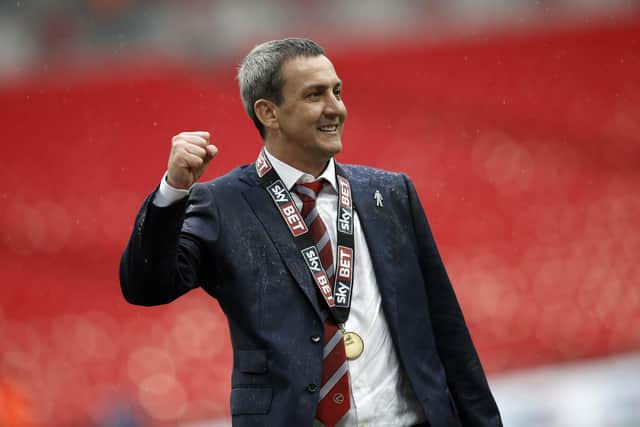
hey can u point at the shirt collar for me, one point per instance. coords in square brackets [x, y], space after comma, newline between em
[291, 176]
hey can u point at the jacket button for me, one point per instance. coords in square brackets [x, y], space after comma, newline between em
[312, 388]
[315, 338]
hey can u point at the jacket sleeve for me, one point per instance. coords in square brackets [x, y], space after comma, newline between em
[465, 376]
[163, 258]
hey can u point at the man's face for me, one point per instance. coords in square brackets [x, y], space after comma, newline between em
[311, 115]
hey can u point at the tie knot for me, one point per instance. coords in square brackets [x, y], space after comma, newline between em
[310, 189]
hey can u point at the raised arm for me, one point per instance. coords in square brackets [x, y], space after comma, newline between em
[163, 257]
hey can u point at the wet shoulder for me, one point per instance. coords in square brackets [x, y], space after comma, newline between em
[235, 180]
[372, 175]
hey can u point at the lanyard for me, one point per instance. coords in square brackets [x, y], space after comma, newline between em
[338, 297]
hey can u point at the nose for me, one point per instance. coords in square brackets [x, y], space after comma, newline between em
[335, 106]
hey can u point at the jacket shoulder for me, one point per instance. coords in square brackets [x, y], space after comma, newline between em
[235, 180]
[373, 175]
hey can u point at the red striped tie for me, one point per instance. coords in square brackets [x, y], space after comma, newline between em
[335, 400]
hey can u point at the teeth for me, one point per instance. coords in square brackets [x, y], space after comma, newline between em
[332, 128]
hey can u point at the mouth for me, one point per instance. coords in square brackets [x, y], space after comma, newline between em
[328, 128]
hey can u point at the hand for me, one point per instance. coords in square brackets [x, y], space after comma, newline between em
[190, 156]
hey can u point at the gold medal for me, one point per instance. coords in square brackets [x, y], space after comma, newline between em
[353, 345]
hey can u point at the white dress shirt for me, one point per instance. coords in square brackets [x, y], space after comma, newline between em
[381, 393]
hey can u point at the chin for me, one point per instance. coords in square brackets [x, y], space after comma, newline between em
[333, 147]
[331, 143]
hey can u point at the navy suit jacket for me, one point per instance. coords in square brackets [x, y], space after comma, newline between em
[230, 239]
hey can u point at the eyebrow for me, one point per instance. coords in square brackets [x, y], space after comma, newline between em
[322, 86]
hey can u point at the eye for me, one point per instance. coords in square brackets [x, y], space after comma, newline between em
[337, 92]
[313, 95]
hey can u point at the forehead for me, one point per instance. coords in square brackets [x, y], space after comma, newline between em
[302, 72]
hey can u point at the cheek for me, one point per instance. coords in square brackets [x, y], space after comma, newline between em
[311, 113]
[303, 119]
[308, 123]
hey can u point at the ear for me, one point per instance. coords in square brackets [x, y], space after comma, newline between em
[267, 113]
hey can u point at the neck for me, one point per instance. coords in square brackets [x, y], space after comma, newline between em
[305, 163]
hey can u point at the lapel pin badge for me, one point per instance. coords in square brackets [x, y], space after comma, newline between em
[378, 198]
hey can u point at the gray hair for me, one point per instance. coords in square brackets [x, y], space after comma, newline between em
[260, 74]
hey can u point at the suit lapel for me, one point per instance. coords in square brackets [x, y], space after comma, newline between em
[266, 212]
[374, 221]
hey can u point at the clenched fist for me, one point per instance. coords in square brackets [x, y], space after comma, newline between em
[190, 155]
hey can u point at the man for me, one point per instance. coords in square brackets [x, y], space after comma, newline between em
[339, 307]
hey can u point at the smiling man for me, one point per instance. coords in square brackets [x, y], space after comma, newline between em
[339, 307]
[305, 127]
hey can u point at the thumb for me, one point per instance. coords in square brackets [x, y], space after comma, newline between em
[212, 150]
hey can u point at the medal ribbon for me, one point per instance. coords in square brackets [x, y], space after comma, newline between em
[338, 297]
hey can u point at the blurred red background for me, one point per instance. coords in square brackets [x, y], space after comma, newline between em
[524, 148]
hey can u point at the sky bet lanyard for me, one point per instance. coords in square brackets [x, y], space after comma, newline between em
[338, 299]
